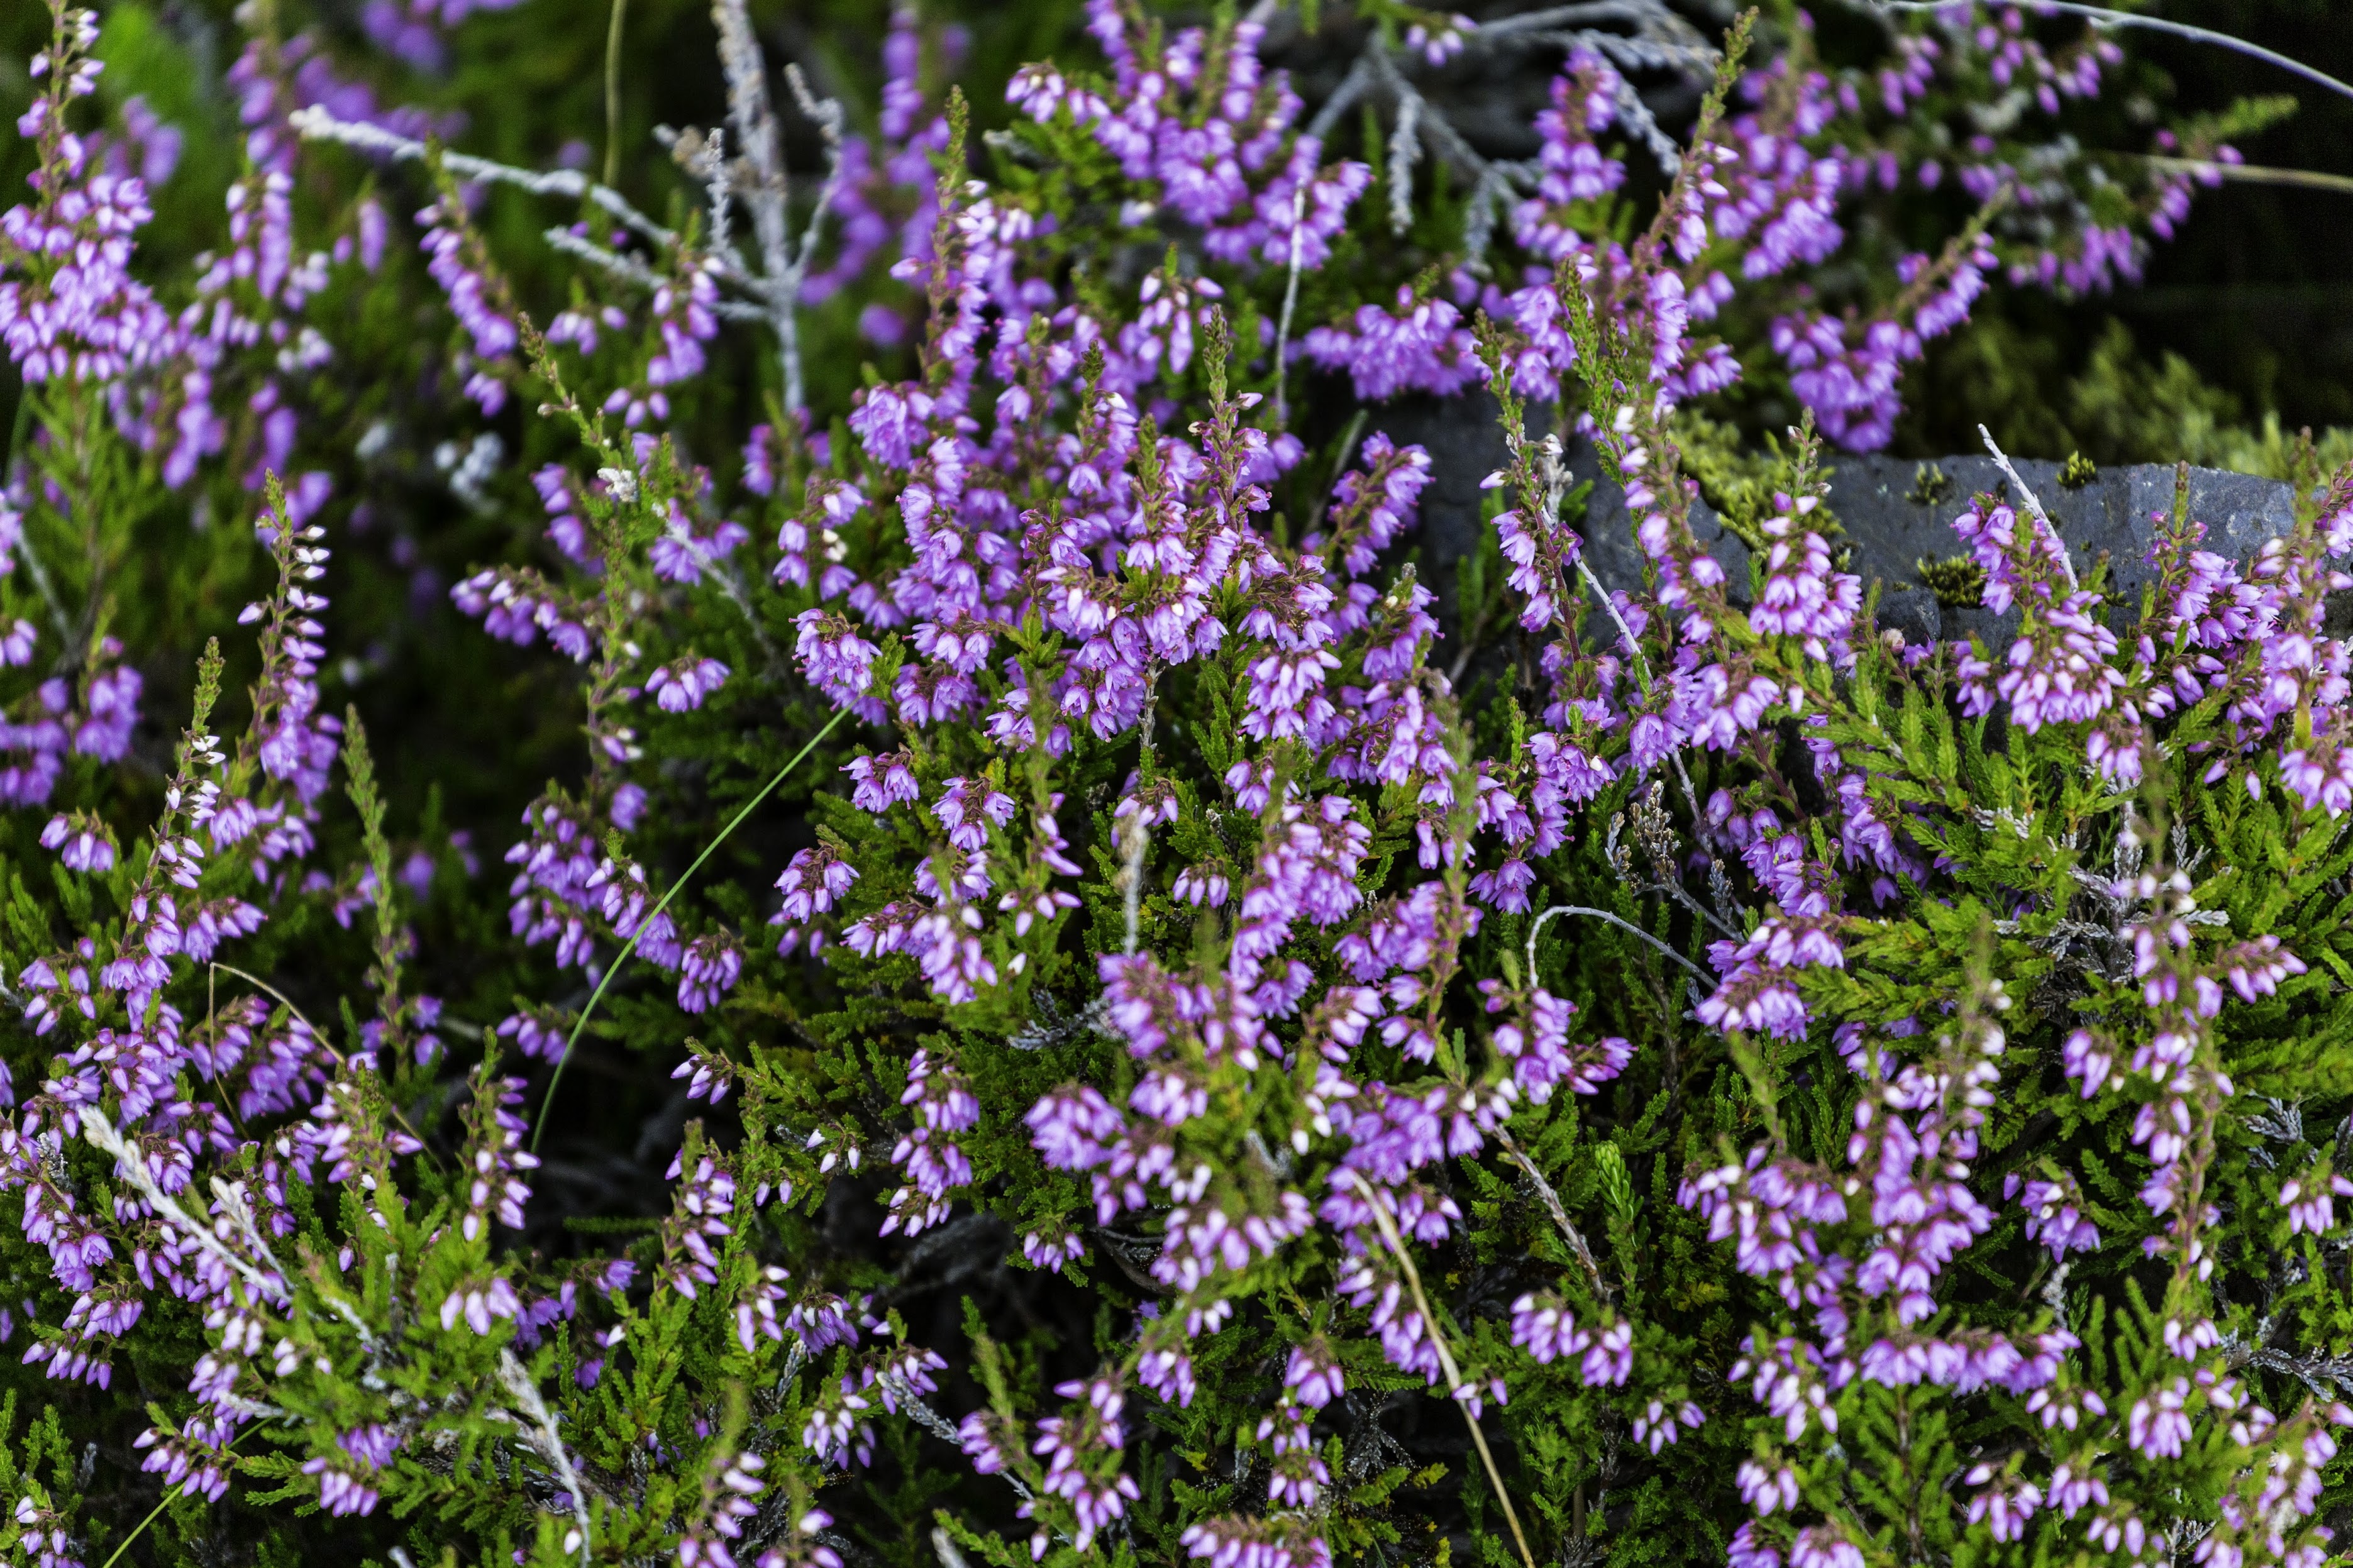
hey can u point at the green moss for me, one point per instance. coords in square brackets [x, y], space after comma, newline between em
[1957, 581]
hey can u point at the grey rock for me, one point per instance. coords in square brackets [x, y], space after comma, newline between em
[1609, 530]
[1891, 523]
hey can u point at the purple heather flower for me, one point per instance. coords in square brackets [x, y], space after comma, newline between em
[1419, 347]
[2004, 1509]
[1802, 597]
[2055, 1211]
[683, 555]
[2310, 1200]
[1281, 1540]
[83, 843]
[927, 1153]
[1823, 1546]
[480, 1302]
[707, 970]
[372, 1445]
[1657, 1426]
[1543, 1059]
[1766, 1491]
[683, 684]
[340, 1492]
[495, 1159]
[1313, 1376]
[493, 335]
[700, 1210]
[1051, 1249]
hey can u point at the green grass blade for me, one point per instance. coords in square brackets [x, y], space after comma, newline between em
[631, 945]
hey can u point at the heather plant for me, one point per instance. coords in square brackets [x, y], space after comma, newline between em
[1154, 1006]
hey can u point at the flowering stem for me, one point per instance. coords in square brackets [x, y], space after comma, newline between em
[628, 947]
[2101, 15]
[1445, 1359]
[2248, 174]
[168, 1499]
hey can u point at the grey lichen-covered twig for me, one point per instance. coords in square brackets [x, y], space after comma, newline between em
[632, 271]
[939, 1426]
[132, 1161]
[627, 269]
[2034, 504]
[758, 178]
[1404, 148]
[1629, 927]
[1498, 183]
[1135, 839]
[1660, 40]
[754, 177]
[540, 1435]
[316, 124]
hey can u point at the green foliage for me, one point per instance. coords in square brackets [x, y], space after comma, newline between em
[636, 1402]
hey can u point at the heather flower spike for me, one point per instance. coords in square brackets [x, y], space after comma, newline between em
[1146, 962]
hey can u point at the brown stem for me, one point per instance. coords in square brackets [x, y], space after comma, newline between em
[1390, 1240]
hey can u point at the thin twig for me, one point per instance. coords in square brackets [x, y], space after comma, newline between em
[325, 1044]
[1135, 838]
[630, 271]
[2251, 173]
[826, 114]
[2103, 16]
[1553, 1205]
[1352, 87]
[132, 1162]
[2033, 505]
[1290, 304]
[255, 980]
[764, 187]
[315, 124]
[1443, 137]
[551, 1448]
[1627, 926]
[939, 1426]
[32, 560]
[1635, 116]
[1492, 188]
[627, 269]
[1454, 1386]
[1404, 146]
